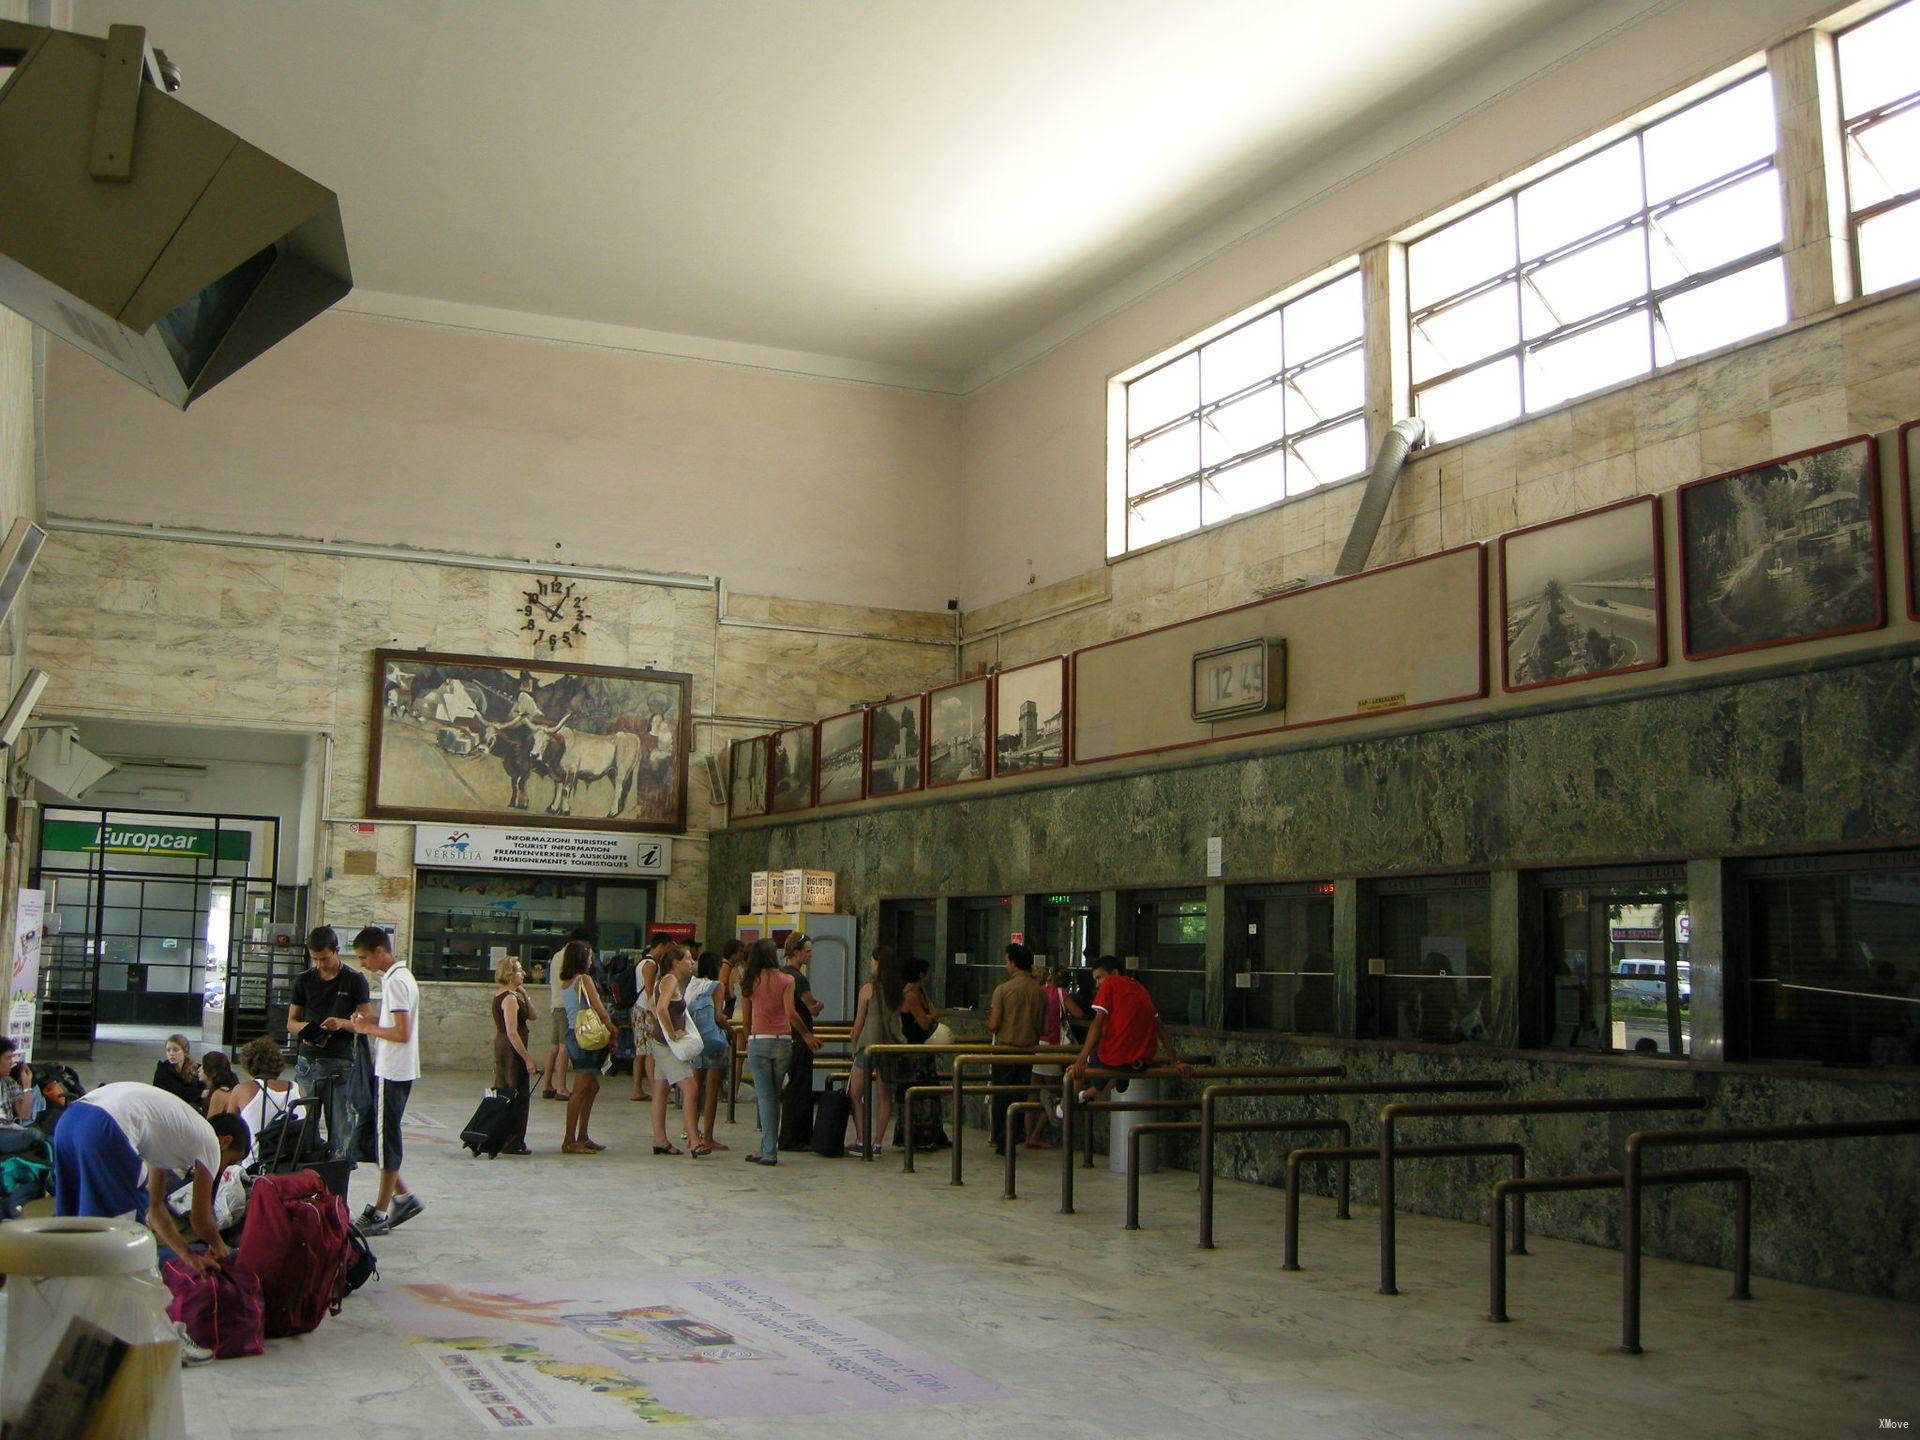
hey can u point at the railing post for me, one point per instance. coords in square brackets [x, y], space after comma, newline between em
[1630, 1250]
[1133, 1178]
[1292, 1218]
[1068, 1115]
[959, 1120]
[1208, 1097]
[1519, 1208]
[1742, 1236]
[1497, 1257]
[1387, 1286]
[1345, 1212]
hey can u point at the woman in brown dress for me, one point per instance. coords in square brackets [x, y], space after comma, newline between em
[512, 1065]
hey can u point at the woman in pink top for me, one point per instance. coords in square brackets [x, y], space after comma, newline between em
[1055, 983]
[770, 1022]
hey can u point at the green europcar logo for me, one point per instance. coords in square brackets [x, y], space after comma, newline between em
[185, 842]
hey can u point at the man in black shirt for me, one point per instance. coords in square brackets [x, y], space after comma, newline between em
[328, 989]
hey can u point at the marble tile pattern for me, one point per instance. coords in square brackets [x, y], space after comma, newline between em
[1101, 1334]
[190, 633]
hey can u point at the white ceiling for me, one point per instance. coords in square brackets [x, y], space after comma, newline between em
[898, 183]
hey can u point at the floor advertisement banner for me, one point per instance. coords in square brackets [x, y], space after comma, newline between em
[552, 1354]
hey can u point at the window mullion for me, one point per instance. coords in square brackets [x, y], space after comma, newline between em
[1646, 249]
[1519, 303]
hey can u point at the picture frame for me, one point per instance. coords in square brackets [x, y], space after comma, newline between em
[747, 778]
[959, 735]
[896, 738]
[790, 770]
[840, 743]
[1782, 552]
[1583, 596]
[1907, 441]
[478, 739]
[1030, 717]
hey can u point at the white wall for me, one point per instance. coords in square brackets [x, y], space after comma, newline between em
[390, 432]
[1033, 442]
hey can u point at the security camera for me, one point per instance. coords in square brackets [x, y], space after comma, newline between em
[24, 699]
[169, 72]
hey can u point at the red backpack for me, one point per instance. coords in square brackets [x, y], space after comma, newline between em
[295, 1243]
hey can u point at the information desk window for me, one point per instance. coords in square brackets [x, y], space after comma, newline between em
[980, 927]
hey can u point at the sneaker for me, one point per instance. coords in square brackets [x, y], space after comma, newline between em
[190, 1353]
[374, 1224]
[405, 1207]
[367, 1215]
[756, 1158]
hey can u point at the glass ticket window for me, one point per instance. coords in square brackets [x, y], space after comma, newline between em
[1835, 971]
[1170, 941]
[1616, 948]
[908, 926]
[1064, 929]
[1431, 970]
[1282, 938]
[980, 928]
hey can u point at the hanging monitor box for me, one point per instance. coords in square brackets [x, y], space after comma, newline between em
[204, 255]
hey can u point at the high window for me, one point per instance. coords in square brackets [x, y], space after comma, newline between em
[1661, 245]
[1269, 409]
[1880, 97]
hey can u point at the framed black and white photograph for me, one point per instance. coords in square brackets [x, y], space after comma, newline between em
[842, 745]
[895, 730]
[1782, 552]
[1583, 596]
[1909, 444]
[747, 778]
[792, 761]
[1030, 717]
[959, 732]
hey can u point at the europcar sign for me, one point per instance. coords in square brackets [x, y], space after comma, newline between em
[132, 839]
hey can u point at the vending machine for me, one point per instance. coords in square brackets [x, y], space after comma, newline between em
[834, 970]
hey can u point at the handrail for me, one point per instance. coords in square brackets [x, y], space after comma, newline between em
[1214, 1094]
[1519, 1189]
[1042, 1054]
[942, 1091]
[1642, 1140]
[1346, 1155]
[1389, 1114]
[1175, 1127]
[959, 1048]
[1004, 1056]
[1070, 1101]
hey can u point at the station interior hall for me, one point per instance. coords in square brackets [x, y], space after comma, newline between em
[1338, 584]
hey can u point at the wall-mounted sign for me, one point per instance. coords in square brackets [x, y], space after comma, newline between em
[681, 932]
[23, 986]
[588, 852]
[133, 839]
[1245, 678]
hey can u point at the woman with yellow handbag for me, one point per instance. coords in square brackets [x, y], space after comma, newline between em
[589, 1033]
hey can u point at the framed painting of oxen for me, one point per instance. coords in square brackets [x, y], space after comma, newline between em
[516, 742]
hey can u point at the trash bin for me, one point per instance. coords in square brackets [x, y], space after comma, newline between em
[87, 1317]
[1121, 1123]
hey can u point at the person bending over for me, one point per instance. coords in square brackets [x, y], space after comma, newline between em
[1126, 1033]
[110, 1135]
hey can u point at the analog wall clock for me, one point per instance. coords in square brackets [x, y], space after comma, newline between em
[556, 614]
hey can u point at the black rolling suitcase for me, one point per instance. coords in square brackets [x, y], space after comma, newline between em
[830, 1124]
[499, 1119]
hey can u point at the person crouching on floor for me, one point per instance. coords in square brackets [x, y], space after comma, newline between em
[109, 1135]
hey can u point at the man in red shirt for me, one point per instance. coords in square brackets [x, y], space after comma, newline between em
[1126, 1033]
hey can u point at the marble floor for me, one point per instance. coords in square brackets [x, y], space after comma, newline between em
[1098, 1333]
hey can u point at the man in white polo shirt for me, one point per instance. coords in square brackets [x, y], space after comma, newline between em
[109, 1135]
[396, 1065]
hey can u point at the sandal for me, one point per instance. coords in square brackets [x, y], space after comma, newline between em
[559, 1095]
[668, 1150]
[700, 1150]
[574, 1147]
[715, 1145]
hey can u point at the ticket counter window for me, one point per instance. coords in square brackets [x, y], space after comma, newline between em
[1065, 929]
[1170, 940]
[981, 927]
[908, 926]
[1835, 973]
[1436, 982]
[1618, 974]
[1283, 978]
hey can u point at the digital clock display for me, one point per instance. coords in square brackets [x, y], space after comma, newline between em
[1241, 679]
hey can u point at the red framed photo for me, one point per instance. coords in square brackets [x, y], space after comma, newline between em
[896, 730]
[958, 748]
[1583, 597]
[747, 778]
[1030, 717]
[790, 784]
[1782, 552]
[841, 743]
[1907, 441]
